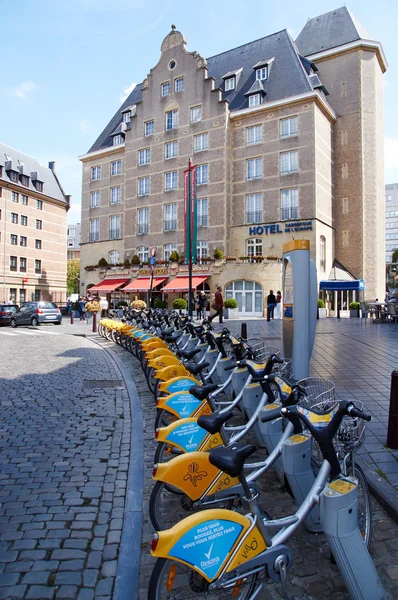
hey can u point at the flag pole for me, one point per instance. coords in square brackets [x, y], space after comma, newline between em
[189, 231]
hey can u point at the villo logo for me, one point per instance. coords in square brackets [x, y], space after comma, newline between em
[205, 564]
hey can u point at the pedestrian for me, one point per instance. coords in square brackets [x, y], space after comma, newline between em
[203, 303]
[81, 308]
[271, 302]
[278, 305]
[104, 307]
[68, 307]
[11, 301]
[218, 305]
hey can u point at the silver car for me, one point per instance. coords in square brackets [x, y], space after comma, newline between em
[34, 313]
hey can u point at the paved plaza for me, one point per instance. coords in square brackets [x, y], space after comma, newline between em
[76, 468]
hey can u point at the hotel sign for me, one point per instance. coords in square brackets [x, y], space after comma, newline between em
[284, 227]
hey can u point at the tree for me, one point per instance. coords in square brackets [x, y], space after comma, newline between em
[394, 258]
[73, 276]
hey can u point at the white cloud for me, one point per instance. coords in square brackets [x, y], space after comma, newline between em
[84, 126]
[24, 89]
[390, 153]
[126, 92]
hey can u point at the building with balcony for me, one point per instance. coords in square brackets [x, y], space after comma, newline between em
[33, 215]
[73, 241]
[287, 139]
[391, 220]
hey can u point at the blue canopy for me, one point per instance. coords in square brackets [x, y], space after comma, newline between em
[356, 284]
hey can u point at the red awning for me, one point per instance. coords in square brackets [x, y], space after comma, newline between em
[180, 284]
[142, 284]
[108, 285]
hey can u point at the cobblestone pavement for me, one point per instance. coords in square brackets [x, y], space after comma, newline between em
[65, 447]
[313, 577]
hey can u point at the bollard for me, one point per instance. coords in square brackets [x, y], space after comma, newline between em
[392, 431]
[95, 322]
[243, 331]
[71, 317]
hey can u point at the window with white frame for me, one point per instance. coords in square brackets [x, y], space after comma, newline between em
[15, 197]
[254, 208]
[288, 127]
[170, 181]
[149, 128]
[254, 168]
[254, 100]
[72, 231]
[115, 195]
[254, 135]
[144, 186]
[167, 250]
[202, 174]
[94, 230]
[289, 162]
[95, 198]
[179, 84]
[262, 73]
[144, 156]
[171, 150]
[113, 257]
[127, 117]
[95, 173]
[254, 247]
[23, 240]
[289, 204]
[143, 253]
[39, 204]
[202, 212]
[114, 227]
[230, 84]
[116, 167]
[201, 142]
[165, 89]
[202, 250]
[142, 220]
[171, 119]
[170, 217]
[71, 242]
[196, 114]
[322, 253]
[117, 140]
[24, 199]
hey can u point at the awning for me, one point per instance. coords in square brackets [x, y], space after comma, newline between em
[108, 285]
[339, 286]
[142, 284]
[181, 284]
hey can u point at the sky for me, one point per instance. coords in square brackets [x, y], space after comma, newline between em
[67, 65]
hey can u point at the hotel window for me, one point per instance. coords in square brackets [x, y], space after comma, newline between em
[202, 206]
[39, 186]
[202, 250]
[116, 167]
[38, 244]
[144, 156]
[322, 253]
[14, 218]
[39, 224]
[126, 117]
[143, 221]
[95, 173]
[179, 84]
[196, 114]
[22, 296]
[24, 220]
[254, 135]
[13, 263]
[289, 162]
[171, 119]
[24, 180]
[170, 181]
[171, 150]
[113, 257]
[202, 174]
[144, 186]
[201, 142]
[289, 204]
[24, 200]
[114, 227]
[149, 128]
[165, 89]
[288, 127]
[254, 247]
[117, 140]
[254, 100]
[37, 266]
[94, 230]
[39, 204]
[262, 73]
[13, 295]
[15, 197]
[143, 253]
[95, 199]
[230, 84]
[37, 295]
[254, 208]
[13, 176]
[167, 250]
[254, 168]
[14, 239]
[170, 217]
[23, 241]
[115, 195]
[22, 264]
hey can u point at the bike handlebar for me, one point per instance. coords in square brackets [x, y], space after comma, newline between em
[354, 412]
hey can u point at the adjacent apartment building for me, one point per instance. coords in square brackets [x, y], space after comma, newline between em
[287, 139]
[73, 241]
[391, 220]
[33, 216]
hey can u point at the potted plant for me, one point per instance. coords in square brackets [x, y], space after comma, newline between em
[135, 259]
[231, 309]
[354, 309]
[321, 309]
[256, 258]
[218, 254]
[244, 258]
[230, 258]
[138, 304]
[102, 263]
[174, 256]
[180, 304]
[159, 303]
[126, 263]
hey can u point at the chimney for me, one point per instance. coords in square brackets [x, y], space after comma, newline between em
[51, 165]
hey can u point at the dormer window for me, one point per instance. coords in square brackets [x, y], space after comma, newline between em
[126, 117]
[24, 180]
[117, 140]
[39, 186]
[230, 84]
[255, 100]
[262, 73]
[13, 176]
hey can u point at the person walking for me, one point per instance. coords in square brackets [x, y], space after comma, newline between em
[218, 305]
[104, 307]
[203, 303]
[81, 307]
[198, 306]
[271, 302]
[278, 305]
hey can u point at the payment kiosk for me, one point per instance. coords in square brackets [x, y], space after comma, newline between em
[300, 300]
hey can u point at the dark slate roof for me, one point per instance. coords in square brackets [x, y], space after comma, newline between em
[34, 170]
[256, 88]
[287, 77]
[330, 30]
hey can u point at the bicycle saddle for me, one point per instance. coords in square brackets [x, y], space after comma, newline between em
[213, 423]
[196, 368]
[231, 460]
[202, 391]
[167, 331]
[188, 354]
[172, 338]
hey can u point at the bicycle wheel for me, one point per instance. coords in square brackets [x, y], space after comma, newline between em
[173, 580]
[364, 503]
[165, 452]
[164, 418]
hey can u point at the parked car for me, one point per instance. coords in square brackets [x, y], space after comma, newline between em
[6, 312]
[34, 313]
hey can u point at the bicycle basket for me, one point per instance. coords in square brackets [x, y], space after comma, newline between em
[261, 350]
[318, 392]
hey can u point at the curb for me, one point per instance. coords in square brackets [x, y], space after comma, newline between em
[128, 567]
[384, 492]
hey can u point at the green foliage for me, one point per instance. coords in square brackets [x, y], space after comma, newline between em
[174, 256]
[180, 304]
[218, 254]
[321, 303]
[72, 276]
[394, 257]
[355, 305]
[159, 303]
[102, 262]
[230, 303]
[135, 259]
[126, 262]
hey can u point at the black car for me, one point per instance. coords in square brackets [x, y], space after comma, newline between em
[6, 312]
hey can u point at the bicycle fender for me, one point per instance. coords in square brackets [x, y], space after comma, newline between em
[205, 541]
[178, 384]
[167, 373]
[154, 344]
[151, 353]
[183, 405]
[185, 434]
[163, 361]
